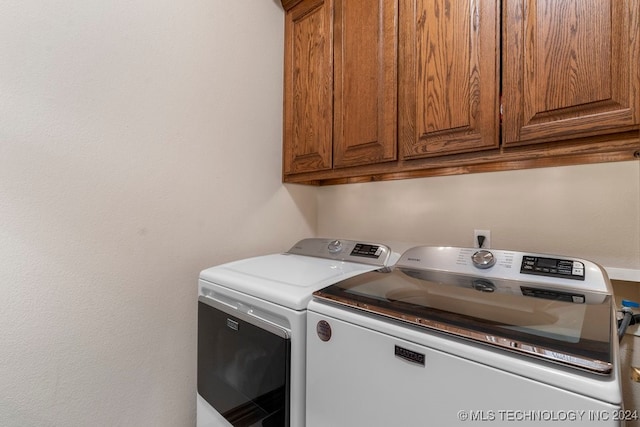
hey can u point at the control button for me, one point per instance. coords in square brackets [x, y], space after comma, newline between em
[335, 247]
[579, 299]
[578, 269]
[483, 259]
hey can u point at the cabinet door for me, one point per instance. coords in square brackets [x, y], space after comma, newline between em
[308, 87]
[570, 69]
[448, 76]
[365, 82]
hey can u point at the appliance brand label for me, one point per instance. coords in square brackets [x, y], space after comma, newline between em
[232, 324]
[323, 329]
[410, 356]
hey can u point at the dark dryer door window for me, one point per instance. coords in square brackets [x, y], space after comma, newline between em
[243, 366]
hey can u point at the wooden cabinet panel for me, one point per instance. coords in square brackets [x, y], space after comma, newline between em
[308, 87]
[394, 89]
[448, 76]
[570, 69]
[365, 82]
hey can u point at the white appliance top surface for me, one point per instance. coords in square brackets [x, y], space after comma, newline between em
[288, 279]
[554, 308]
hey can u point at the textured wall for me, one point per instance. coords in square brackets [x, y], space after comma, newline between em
[139, 143]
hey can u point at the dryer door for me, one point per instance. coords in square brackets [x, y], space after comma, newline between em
[243, 365]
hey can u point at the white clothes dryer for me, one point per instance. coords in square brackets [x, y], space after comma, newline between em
[252, 329]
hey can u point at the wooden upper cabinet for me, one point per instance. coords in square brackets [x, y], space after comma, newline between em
[365, 82]
[570, 69]
[390, 89]
[449, 79]
[308, 87]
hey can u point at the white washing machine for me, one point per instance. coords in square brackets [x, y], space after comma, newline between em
[457, 336]
[252, 326]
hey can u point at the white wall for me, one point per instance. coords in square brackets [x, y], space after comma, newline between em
[589, 211]
[139, 143]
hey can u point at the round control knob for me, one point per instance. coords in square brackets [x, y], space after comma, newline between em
[483, 259]
[335, 247]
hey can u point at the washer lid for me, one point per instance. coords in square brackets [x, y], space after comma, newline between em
[554, 318]
[289, 279]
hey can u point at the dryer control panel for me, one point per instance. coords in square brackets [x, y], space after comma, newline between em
[345, 250]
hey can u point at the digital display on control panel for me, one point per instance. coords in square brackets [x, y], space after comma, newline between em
[563, 268]
[368, 251]
[547, 263]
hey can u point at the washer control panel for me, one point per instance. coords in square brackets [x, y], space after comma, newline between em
[535, 270]
[552, 267]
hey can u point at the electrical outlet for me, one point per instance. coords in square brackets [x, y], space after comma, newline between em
[486, 244]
